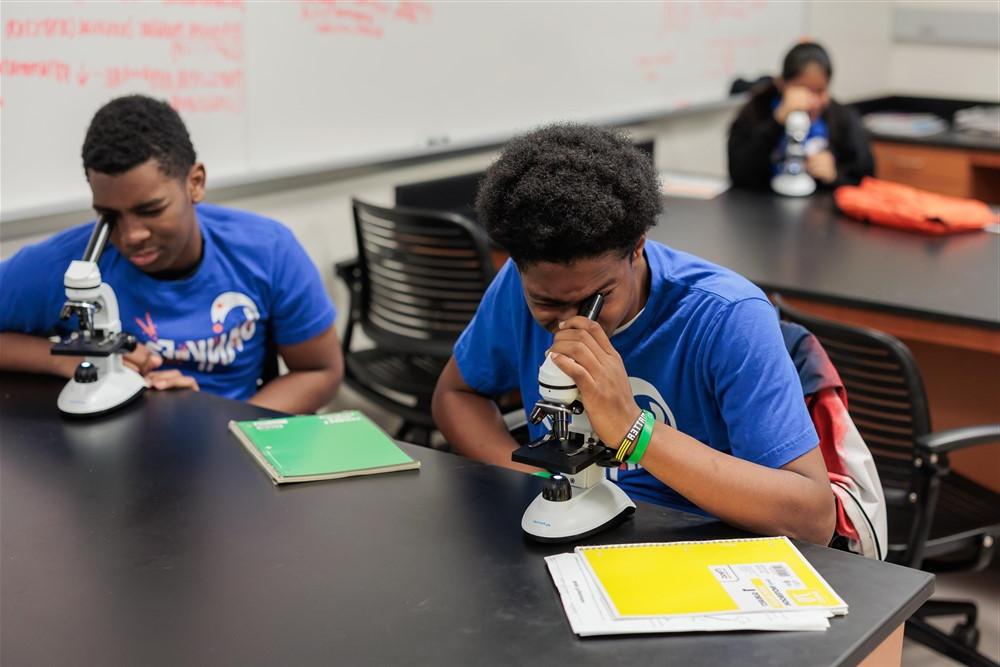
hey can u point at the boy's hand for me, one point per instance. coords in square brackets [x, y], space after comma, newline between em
[146, 362]
[584, 352]
[170, 379]
[142, 360]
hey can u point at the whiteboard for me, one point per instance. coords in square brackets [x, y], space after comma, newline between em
[275, 89]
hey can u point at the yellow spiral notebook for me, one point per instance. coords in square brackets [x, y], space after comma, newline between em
[713, 577]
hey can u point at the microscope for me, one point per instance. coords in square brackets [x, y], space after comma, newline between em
[577, 500]
[101, 383]
[792, 179]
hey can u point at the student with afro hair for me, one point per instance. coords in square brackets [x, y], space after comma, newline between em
[691, 342]
[211, 293]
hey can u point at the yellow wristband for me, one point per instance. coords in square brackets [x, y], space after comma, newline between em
[628, 442]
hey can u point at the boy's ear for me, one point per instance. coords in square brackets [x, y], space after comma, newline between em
[637, 253]
[779, 83]
[196, 182]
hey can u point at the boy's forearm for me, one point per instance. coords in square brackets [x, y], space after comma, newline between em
[299, 392]
[33, 354]
[474, 427]
[747, 495]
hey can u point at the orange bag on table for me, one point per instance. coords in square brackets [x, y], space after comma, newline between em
[905, 207]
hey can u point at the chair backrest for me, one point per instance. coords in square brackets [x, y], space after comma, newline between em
[423, 274]
[885, 394]
[456, 194]
[862, 515]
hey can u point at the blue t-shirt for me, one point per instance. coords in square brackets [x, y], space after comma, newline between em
[254, 277]
[705, 355]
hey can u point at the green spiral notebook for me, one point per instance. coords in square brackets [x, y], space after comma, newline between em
[307, 448]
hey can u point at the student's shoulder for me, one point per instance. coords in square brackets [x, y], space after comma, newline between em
[233, 225]
[699, 279]
[54, 253]
[504, 297]
[845, 115]
[759, 103]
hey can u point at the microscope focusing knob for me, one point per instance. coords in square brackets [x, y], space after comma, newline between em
[537, 415]
[557, 489]
[85, 373]
[129, 343]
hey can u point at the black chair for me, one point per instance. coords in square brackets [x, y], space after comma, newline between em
[457, 194]
[939, 520]
[416, 283]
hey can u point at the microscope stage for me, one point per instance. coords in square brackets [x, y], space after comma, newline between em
[551, 457]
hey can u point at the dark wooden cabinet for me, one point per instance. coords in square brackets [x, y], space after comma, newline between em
[952, 171]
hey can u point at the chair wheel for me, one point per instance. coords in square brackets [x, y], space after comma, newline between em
[967, 634]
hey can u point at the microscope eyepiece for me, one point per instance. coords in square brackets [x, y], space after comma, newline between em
[591, 307]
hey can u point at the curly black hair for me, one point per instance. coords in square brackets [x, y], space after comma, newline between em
[128, 131]
[566, 192]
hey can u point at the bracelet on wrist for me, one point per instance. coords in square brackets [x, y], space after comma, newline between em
[633, 433]
[642, 442]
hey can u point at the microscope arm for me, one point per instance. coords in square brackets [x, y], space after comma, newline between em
[93, 302]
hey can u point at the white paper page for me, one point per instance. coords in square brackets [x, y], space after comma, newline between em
[692, 186]
[589, 614]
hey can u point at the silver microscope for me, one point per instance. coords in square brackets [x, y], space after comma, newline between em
[101, 383]
[577, 500]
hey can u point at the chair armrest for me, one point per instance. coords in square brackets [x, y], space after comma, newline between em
[346, 270]
[959, 438]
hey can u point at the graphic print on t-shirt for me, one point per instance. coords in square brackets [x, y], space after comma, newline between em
[232, 321]
[649, 398]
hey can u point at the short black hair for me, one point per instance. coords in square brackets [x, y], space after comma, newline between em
[801, 56]
[128, 131]
[566, 192]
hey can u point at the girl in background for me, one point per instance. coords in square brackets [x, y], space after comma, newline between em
[837, 145]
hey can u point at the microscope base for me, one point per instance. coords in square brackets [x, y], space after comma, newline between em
[109, 392]
[793, 185]
[589, 511]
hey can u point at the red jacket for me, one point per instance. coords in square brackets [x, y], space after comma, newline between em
[904, 207]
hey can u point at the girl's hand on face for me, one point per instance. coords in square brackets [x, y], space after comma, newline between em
[796, 98]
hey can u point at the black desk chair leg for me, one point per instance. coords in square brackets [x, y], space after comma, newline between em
[414, 433]
[923, 632]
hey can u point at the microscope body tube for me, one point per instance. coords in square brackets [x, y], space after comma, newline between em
[98, 240]
[553, 384]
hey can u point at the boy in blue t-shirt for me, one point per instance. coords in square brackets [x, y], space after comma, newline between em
[210, 293]
[694, 344]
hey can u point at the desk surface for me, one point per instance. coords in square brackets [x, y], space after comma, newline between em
[804, 247]
[150, 537]
[943, 108]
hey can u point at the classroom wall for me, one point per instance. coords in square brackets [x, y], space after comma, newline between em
[867, 64]
[962, 72]
[858, 42]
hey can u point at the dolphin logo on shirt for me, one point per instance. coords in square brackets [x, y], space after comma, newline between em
[649, 398]
[228, 301]
[228, 337]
